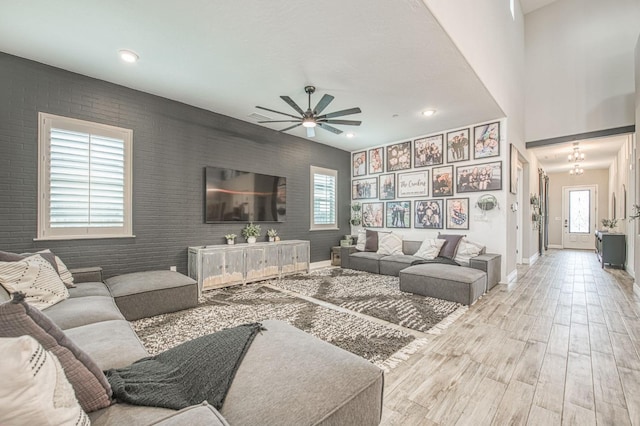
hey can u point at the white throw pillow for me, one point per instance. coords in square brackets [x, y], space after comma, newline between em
[36, 278]
[63, 271]
[430, 248]
[466, 250]
[362, 239]
[389, 244]
[35, 390]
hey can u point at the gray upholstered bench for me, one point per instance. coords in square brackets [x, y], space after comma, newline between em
[449, 282]
[145, 294]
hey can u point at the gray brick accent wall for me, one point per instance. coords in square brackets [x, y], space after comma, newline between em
[172, 143]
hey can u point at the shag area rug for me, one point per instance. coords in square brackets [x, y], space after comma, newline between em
[381, 344]
[375, 295]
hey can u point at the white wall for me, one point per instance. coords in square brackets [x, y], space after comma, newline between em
[579, 67]
[493, 44]
[634, 235]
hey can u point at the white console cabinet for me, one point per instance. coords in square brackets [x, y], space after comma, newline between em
[224, 265]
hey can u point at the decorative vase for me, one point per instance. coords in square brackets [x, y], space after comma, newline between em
[272, 239]
[231, 241]
[251, 240]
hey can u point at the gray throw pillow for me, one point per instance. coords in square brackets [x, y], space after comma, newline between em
[91, 387]
[450, 247]
[371, 243]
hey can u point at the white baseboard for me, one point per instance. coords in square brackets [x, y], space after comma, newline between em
[512, 276]
[320, 265]
[555, 246]
[533, 259]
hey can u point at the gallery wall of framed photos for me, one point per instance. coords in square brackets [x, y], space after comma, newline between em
[429, 182]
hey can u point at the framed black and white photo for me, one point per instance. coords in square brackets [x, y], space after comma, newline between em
[428, 151]
[373, 215]
[387, 186]
[376, 161]
[359, 160]
[479, 177]
[398, 214]
[429, 214]
[458, 146]
[413, 184]
[457, 213]
[362, 189]
[399, 156]
[486, 140]
[442, 181]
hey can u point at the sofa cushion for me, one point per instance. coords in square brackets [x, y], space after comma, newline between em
[319, 383]
[389, 244]
[120, 414]
[89, 289]
[18, 318]
[35, 389]
[367, 255]
[36, 278]
[392, 265]
[430, 248]
[110, 344]
[371, 240]
[362, 239]
[196, 415]
[77, 311]
[466, 250]
[450, 246]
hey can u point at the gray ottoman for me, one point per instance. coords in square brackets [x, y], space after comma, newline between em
[449, 282]
[145, 294]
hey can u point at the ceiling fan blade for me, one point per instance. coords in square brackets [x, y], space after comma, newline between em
[292, 104]
[280, 121]
[345, 122]
[311, 132]
[326, 100]
[330, 128]
[349, 111]
[291, 127]
[277, 112]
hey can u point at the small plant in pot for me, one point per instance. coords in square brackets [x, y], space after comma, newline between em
[231, 238]
[609, 224]
[272, 234]
[250, 232]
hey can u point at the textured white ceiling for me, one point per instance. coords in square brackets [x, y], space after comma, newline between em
[389, 57]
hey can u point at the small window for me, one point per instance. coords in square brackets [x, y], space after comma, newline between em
[324, 183]
[84, 179]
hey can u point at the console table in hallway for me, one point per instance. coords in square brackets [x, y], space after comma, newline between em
[611, 248]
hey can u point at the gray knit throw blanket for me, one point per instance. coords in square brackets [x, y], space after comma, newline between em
[195, 371]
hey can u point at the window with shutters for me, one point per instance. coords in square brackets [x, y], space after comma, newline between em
[324, 183]
[84, 178]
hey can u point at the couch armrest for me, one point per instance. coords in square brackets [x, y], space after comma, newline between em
[491, 263]
[85, 275]
[345, 251]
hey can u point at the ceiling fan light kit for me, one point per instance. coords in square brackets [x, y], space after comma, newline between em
[312, 117]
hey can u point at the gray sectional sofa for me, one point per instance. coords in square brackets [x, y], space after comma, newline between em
[286, 378]
[462, 284]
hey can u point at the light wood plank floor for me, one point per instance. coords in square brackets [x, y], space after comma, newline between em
[560, 346]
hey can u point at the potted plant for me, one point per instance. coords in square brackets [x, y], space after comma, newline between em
[251, 231]
[609, 224]
[272, 234]
[231, 238]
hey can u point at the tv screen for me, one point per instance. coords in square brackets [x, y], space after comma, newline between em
[237, 196]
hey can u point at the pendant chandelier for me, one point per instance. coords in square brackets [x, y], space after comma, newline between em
[577, 155]
[576, 170]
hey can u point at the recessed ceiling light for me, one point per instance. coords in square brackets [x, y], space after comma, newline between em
[350, 135]
[428, 112]
[128, 56]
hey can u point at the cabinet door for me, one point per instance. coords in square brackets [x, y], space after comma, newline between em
[287, 258]
[234, 267]
[302, 257]
[271, 261]
[213, 269]
[254, 263]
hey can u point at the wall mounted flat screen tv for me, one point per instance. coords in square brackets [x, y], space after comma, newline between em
[237, 196]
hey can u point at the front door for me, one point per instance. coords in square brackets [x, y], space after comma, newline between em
[579, 217]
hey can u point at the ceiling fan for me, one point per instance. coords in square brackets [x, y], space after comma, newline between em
[311, 117]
